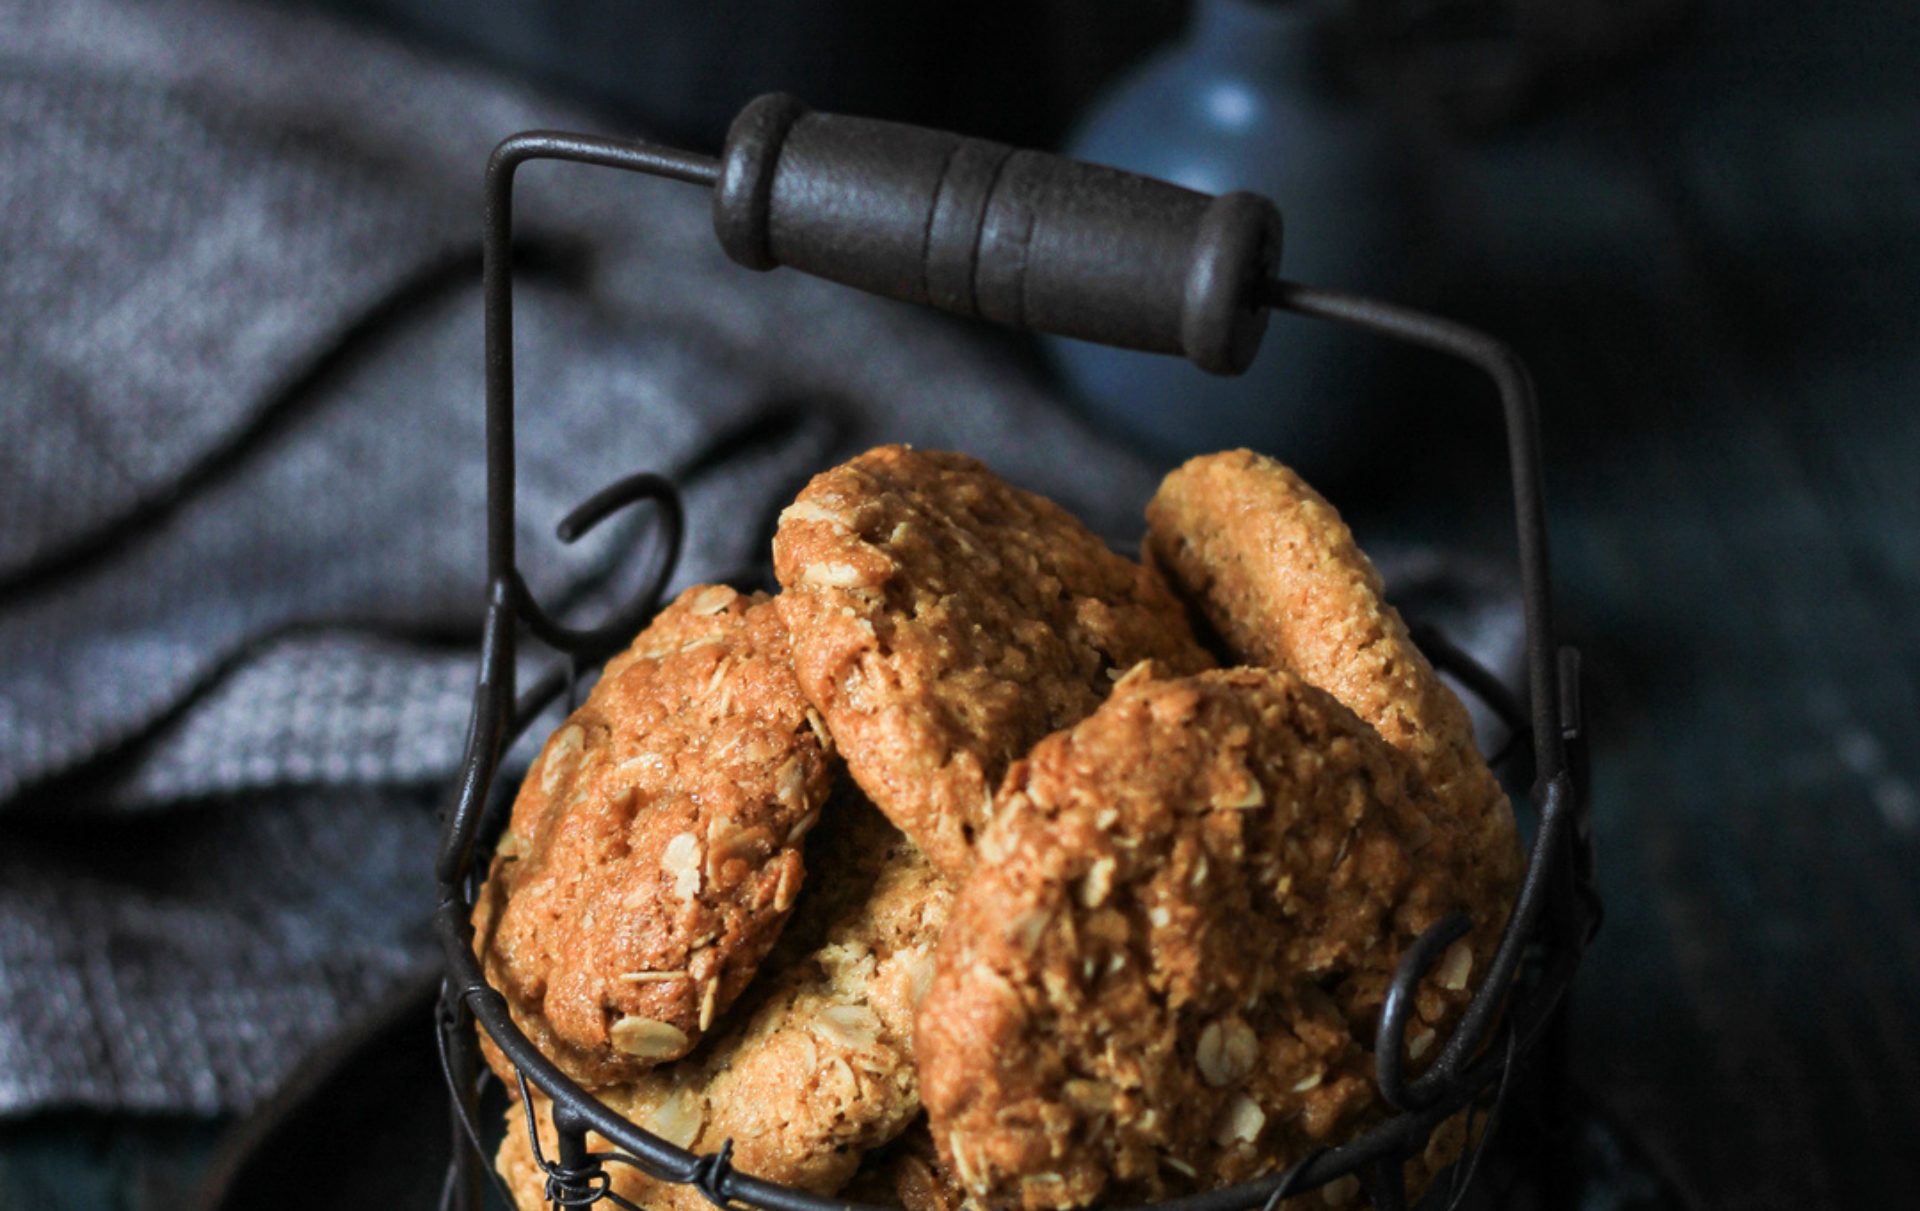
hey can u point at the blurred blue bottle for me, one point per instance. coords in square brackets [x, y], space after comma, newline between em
[1244, 102]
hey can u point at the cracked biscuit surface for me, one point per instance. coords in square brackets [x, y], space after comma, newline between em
[814, 1067]
[943, 621]
[1277, 573]
[1164, 973]
[654, 850]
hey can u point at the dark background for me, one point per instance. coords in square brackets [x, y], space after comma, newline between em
[1704, 235]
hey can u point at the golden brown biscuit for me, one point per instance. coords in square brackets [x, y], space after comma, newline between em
[943, 621]
[814, 1067]
[655, 847]
[1164, 972]
[1277, 573]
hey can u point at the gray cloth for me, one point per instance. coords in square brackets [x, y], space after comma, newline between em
[241, 491]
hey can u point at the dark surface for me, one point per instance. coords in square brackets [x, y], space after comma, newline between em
[1017, 70]
[1712, 269]
[1713, 272]
[317, 1144]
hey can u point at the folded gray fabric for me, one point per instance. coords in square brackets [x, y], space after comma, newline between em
[241, 491]
[182, 963]
[241, 483]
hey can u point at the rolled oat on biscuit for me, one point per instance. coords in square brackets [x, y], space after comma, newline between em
[813, 1069]
[1163, 975]
[1276, 572]
[944, 620]
[654, 850]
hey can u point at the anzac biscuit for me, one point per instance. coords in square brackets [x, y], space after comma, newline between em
[943, 621]
[1164, 972]
[1277, 573]
[655, 848]
[814, 1067]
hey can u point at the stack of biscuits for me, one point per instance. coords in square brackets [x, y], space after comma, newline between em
[984, 866]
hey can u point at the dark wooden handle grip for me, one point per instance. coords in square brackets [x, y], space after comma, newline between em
[1022, 238]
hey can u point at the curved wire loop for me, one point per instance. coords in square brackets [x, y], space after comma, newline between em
[1389, 1041]
[578, 1186]
[576, 1180]
[586, 643]
[1551, 920]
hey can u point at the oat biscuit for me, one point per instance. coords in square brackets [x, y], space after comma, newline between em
[1164, 972]
[1276, 571]
[943, 621]
[814, 1067]
[655, 848]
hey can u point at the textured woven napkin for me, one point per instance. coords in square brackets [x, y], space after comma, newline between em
[241, 493]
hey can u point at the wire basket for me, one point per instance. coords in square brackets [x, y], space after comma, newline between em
[1518, 1013]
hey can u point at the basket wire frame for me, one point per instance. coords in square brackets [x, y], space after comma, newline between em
[1519, 1004]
